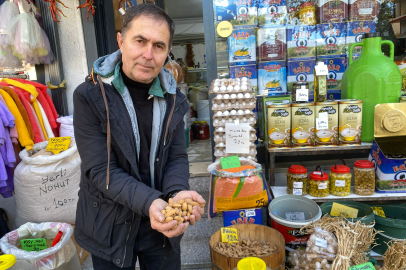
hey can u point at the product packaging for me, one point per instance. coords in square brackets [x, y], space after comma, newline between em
[301, 71]
[333, 11]
[249, 72]
[321, 249]
[279, 120]
[301, 42]
[336, 69]
[242, 47]
[349, 122]
[272, 13]
[244, 216]
[240, 13]
[303, 119]
[272, 78]
[271, 44]
[355, 31]
[327, 136]
[364, 10]
[331, 40]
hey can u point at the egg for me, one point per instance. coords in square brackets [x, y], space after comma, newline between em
[233, 112]
[230, 104]
[244, 83]
[247, 111]
[244, 79]
[244, 88]
[221, 144]
[222, 105]
[230, 88]
[224, 136]
[219, 113]
[230, 120]
[216, 89]
[247, 95]
[237, 103]
[220, 129]
[226, 96]
[226, 113]
[215, 105]
[216, 121]
[244, 103]
[244, 119]
[223, 120]
[233, 96]
[240, 95]
[240, 112]
[219, 96]
[223, 88]
[237, 88]
[217, 136]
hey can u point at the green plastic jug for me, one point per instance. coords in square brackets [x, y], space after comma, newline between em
[373, 78]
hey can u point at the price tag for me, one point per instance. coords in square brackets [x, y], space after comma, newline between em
[230, 162]
[321, 69]
[297, 184]
[229, 235]
[364, 266]
[58, 144]
[322, 121]
[323, 185]
[340, 183]
[250, 213]
[297, 216]
[339, 210]
[122, 11]
[302, 94]
[321, 242]
[379, 211]
[34, 244]
[238, 138]
[224, 29]
[297, 191]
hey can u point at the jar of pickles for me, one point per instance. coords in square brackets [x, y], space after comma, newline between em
[340, 178]
[297, 180]
[319, 183]
[307, 14]
[364, 177]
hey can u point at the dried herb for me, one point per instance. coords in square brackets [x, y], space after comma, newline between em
[190, 56]
[55, 11]
[90, 7]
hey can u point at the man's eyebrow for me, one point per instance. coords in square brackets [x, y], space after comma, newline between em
[162, 43]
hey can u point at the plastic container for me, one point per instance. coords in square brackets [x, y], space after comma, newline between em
[319, 183]
[307, 14]
[340, 179]
[195, 130]
[373, 78]
[187, 137]
[364, 175]
[204, 130]
[7, 262]
[365, 212]
[393, 226]
[202, 109]
[251, 263]
[288, 228]
[297, 180]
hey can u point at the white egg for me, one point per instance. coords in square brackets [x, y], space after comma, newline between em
[222, 105]
[247, 95]
[226, 96]
[236, 88]
[244, 83]
[229, 104]
[220, 129]
[230, 88]
[244, 103]
[215, 105]
[252, 119]
[224, 136]
[216, 89]
[244, 88]
[247, 111]
[217, 136]
[221, 144]
[244, 119]
[244, 79]
[216, 121]
[237, 103]
[233, 112]
[226, 113]
[223, 88]
[233, 96]
[240, 95]
[240, 112]
[223, 120]
[219, 96]
[230, 120]
[219, 113]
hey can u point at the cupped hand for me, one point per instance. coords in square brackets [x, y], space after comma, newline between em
[197, 211]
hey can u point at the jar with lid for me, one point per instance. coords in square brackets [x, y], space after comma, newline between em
[297, 86]
[307, 14]
[204, 130]
[340, 178]
[319, 183]
[364, 177]
[297, 180]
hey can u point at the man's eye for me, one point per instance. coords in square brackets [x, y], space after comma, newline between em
[160, 47]
[140, 41]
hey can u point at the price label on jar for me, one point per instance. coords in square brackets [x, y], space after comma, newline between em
[340, 183]
[297, 191]
[297, 184]
[323, 185]
[297, 216]
[321, 242]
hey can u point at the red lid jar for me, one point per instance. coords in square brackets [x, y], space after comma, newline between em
[364, 164]
[319, 176]
[297, 169]
[340, 169]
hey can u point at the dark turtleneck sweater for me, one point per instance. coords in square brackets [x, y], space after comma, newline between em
[143, 108]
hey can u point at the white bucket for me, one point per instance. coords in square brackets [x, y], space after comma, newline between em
[203, 109]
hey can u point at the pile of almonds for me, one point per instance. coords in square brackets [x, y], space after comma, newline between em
[246, 248]
[179, 210]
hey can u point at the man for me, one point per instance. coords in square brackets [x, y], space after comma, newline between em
[130, 105]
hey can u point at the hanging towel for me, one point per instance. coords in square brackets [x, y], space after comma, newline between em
[20, 107]
[47, 104]
[23, 135]
[11, 121]
[46, 123]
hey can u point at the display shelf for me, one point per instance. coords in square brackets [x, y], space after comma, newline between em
[398, 18]
[280, 191]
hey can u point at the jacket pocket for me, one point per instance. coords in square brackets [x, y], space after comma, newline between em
[98, 217]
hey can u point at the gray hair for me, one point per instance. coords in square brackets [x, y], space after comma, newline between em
[149, 10]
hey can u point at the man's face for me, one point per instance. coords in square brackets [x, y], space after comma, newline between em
[144, 48]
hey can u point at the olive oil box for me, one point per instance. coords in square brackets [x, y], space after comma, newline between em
[272, 13]
[331, 40]
[303, 120]
[279, 118]
[244, 216]
[355, 31]
[301, 42]
[272, 78]
[388, 151]
[242, 47]
[249, 72]
[329, 136]
[301, 71]
[240, 13]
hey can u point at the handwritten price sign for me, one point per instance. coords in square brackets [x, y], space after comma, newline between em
[238, 138]
[229, 235]
[58, 144]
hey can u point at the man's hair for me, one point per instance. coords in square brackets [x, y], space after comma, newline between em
[149, 10]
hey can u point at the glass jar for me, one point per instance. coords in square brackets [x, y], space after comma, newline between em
[307, 14]
[319, 184]
[340, 178]
[364, 177]
[297, 180]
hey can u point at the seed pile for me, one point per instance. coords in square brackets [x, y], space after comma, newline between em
[179, 210]
[246, 248]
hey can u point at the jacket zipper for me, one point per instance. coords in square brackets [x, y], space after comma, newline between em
[128, 236]
[170, 118]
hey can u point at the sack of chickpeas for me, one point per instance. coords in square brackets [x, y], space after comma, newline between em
[237, 188]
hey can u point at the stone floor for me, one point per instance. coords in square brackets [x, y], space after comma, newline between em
[199, 150]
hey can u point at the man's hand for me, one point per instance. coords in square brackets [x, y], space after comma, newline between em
[157, 220]
[197, 210]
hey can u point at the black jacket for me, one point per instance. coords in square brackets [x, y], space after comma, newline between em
[107, 220]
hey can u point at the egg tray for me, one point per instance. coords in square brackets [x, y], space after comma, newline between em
[222, 105]
[220, 150]
[237, 85]
[217, 123]
[233, 107]
[218, 157]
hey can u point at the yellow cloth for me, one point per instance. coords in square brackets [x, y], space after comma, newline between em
[33, 91]
[23, 134]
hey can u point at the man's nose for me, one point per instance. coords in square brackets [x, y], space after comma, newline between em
[148, 52]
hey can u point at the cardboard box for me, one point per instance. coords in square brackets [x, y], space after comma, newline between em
[242, 48]
[249, 71]
[272, 13]
[355, 31]
[301, 71]
[272, 78]
[336, 69]
[240, 13]
[334, 94]
[331, 40]
[82, 254]
[271, 44]
[248, 216]
[301, 42]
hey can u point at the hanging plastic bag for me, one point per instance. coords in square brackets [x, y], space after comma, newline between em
[175, 69]
[66, 128]
[238, 188]
[321, 249]
[62, 256]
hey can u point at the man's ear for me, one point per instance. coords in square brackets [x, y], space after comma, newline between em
[119, 40]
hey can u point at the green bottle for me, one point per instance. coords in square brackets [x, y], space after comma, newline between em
[373, 78]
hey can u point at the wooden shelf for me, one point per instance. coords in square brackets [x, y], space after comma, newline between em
[398, 18]
[280, 191]
[364, 147]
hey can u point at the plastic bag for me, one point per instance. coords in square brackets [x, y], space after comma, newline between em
[321, 249]
[47, 186]
[175, 69]
[237, 190]
[62, 256]
[66, 128]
